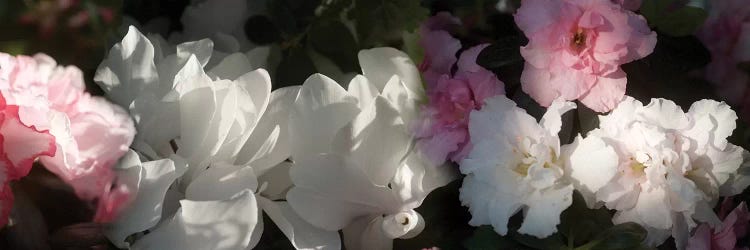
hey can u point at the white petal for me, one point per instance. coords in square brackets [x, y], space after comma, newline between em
[664, 113]
[330, 192]
[415, 179]
[380, 64]
[221, 182]
[301, 234]
[231, 67]
[201, 49]
[366, 233]
[376, 139]
[592, 163]
[276, 181]
[363, 90]
[652, 208]
[738, 182]
[552, 119]
[722, 116]
[128, 68]
[206, 225]
[275, 118]
[405, 102]
[321, 109]
[544, 210]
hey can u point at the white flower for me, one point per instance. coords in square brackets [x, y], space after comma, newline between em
[659, 166]
[515, 165]
[354, 164]
[225, 134]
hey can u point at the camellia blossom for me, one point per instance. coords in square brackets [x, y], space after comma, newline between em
[733, 227]
[443, 127]
[659, 166]
[515, 165]
[726, 34]
[90, 133]
[210, 156]
[576, 48]
[20, 145]
[355, 168]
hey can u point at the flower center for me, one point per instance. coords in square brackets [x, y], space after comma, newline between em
[579, 40]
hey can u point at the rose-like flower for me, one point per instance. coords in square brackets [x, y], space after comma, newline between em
[20, 145]
[659, 166]
[354, 166]
[90, 133]
[576, 48]
[733, 227]
[726, 34]
[443, 125]
[210, 155]
[515, 165]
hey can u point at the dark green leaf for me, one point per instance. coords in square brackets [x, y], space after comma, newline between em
[295, 67]
[385, 19]
[485, 238]
[673, 17]
[292, 17]
[580, 223]
[333, 39]
[260, 30]
[501, 53]
[552, 242]
[623, 236]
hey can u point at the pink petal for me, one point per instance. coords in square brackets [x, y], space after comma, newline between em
[607, 93]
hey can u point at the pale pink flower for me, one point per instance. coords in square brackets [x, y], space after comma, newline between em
[576, 48]
[443, 130]
[90, 133]
[20, 145]
[726, 34]
[733, 226]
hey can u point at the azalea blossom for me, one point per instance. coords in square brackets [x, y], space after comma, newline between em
[576, 48]
[659, 166]
[734, 226]
[443, 127]
[355, 168]
[90, 133]
[726, 34]
[20, 145]
[210, 156]
[515, 165]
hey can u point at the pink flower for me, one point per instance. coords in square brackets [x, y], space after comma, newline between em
[576, 48]
[726, 34]
[20, 145]
[442, 129]
[734, 226]
[90, 133]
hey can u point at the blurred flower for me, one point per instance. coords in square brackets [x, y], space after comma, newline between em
[576, 48]
[733, 226]
[726, 34]
[515, 164]
[48, 13]
[443, 126]
[354, 169]
[659, 166]
[90, 133]
[211, 149]
[20, 145]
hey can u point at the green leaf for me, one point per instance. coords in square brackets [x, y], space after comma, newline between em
[333, 39]
[378, 21]
[579, 224]
[412, 47]
[552, 242]
[503, 52]
[673, 17]
[485, 238]
[623, 236]
[295, 68]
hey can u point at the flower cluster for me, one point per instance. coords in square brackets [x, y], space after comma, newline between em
[443, 127]
[576, 48]
[48, 115]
